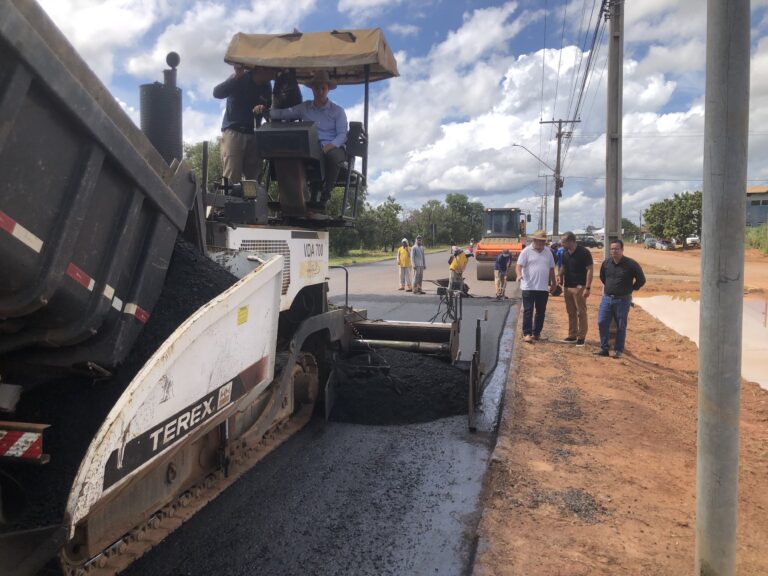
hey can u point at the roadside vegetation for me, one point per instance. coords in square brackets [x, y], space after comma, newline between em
[758, 238]
[678, 217]
[362, 256]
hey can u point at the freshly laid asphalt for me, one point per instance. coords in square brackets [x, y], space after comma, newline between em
[355, 499]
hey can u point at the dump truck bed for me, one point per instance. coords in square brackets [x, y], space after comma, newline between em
[89, 211]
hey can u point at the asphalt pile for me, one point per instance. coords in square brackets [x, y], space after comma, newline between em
[394, 387]
[75, 407]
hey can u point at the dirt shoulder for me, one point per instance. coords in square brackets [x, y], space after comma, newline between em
[594, 470]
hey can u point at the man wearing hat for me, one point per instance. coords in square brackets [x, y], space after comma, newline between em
[500, 272]
[419, 263]
[404, 264]
[331, 124]
[536, 274]
[245, 91]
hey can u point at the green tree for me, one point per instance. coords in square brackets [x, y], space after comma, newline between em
[677, 217]
[464, 218]
[388, 223]
[630, 228]
[193, 153]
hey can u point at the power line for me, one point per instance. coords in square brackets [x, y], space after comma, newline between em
[543, 67]
[560, 57]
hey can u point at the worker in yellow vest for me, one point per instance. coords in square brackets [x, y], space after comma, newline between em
[404, 263]
[456, 265]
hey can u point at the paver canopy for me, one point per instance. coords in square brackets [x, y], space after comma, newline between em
[343, 53]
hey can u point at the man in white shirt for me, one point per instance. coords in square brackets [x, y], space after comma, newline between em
[536, 273]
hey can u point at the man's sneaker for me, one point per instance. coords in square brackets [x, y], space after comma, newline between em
[528, 339]
[580, 342]
[570, 340]
[540, 338]
[616, 354]
[600, 353]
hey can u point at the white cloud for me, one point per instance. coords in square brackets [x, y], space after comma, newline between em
[365, 9]
[98, 29]
[403, 29]
[203, 34]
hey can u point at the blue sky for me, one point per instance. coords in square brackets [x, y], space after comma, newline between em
[476, 77]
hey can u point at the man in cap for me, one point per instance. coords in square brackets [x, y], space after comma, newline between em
[248, 95]
[500, 272]
[536, 274]
[404, 264]
[419, 264]
[331, 124]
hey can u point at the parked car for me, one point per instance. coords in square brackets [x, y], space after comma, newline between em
[649, 243]
[693, 242]
[589, 242]
[664, 245]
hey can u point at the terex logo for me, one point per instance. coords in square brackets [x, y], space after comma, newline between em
[147, 445]
[179, 426]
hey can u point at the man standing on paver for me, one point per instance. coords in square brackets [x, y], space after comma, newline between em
[500, 272]
[536, 274]
[248, 92]
[620, 277]
[404, 264]
[419, 264]
[575, 271]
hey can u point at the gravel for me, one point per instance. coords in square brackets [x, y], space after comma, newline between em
[411, 388]
[75, 407]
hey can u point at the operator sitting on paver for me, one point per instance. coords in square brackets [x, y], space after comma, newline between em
[331, 123]
[500, 272]
[456, 265]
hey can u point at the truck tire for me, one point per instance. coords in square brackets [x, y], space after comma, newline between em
[511, 273]
[485, 270]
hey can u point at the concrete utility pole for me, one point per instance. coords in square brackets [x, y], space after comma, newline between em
[558, 177]
[726, 125]
[613, 125]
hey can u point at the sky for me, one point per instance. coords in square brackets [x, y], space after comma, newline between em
[475, 78]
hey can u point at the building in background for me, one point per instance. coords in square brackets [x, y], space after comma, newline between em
[757, 205]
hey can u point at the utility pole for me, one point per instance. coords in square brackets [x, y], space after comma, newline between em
[726, 125]
[613, 125]
[544, 203]
[558, 178]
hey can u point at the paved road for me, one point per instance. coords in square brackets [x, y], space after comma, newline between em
[382, 278]
[350, 499]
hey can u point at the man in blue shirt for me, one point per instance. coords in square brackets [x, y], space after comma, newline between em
[245, 90]
[331, 124]
[500, 272]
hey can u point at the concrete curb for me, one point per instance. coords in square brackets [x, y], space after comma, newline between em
[507, 358]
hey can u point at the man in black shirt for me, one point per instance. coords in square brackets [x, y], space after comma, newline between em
[576, 278]
[620, 276]
[244, 90]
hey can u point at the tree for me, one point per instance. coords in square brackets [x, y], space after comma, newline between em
[630, 228]
[677, 217]
[193, 153]
[464, 218]
[388, 223]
